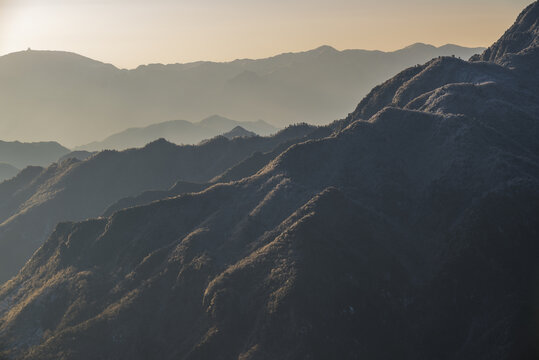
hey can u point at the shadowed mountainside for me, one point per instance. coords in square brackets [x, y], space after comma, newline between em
[33, 202]
[410, 233]
[49, 92]
[178, 132]
[522, 38]
[245, 168]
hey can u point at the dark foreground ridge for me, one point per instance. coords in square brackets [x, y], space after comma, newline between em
[410, 233]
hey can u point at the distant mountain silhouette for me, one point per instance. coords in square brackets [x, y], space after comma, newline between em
[178, 132]
[238, 131]
[407, 231]
[7, 171]
[313, 86]
[221, 125]
[21, 155]
[38, 198]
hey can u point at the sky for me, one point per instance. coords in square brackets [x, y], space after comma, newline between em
[128, 33]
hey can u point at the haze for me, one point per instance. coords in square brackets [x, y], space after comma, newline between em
[315, 202]
[129, 33]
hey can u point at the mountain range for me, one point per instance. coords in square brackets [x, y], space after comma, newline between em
[75, 100]
[20, 155]
[178, 132]
[34, 201]
[405, 230]
[16, 155]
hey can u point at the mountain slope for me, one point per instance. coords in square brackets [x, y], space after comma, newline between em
[238, 131]
[311, 86]
[21, 155]
[178, 132]
[521, 37]
[33, 202]
[409, 233]
[79, 155]
[243, 169]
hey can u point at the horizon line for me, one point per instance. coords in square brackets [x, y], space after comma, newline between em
[30, 49]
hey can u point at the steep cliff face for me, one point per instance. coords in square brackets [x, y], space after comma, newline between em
[408, 233]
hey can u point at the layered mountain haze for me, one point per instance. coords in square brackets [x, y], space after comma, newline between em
[245, 168]
[406, 230]
[238, 131]
[78, 155]
[7, 171]
[21, 155]
[75, 100]
[222, 125]
[33, 202]
[178, 132]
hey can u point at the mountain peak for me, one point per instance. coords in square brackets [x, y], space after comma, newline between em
[523, 35]
[29, 59]
[239, 131]
[214, 119]
[419, 45]
[160, 144]
[324, 48]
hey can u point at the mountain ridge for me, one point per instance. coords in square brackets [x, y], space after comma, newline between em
[21, 154]
[288, 88]
[317, 50]
[407, 231]
[37, 198]
[176, 131]
[521, 36]
[239, 131]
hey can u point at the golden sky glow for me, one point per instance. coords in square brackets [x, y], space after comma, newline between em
[129, 33]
